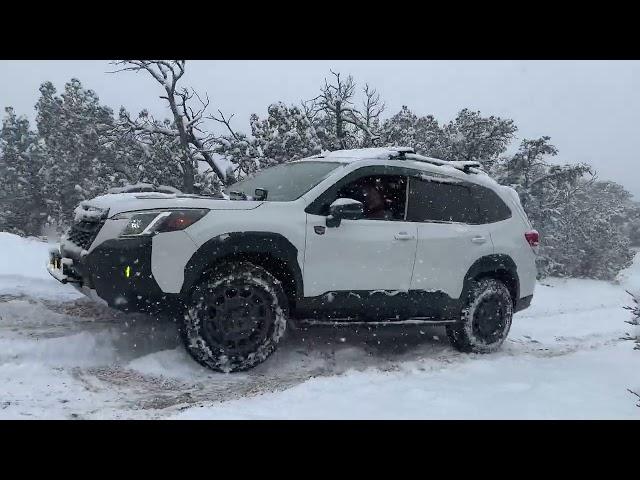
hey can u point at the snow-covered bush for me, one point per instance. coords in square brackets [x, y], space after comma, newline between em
[635, 321]
[580, 220]
[635, 334]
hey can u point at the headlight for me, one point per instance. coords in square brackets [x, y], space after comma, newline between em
[148, 222]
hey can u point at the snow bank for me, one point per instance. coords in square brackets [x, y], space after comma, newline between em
[26, 257]
[23, 269]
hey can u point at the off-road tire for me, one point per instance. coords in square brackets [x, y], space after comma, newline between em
[486, 318]
[235, 317]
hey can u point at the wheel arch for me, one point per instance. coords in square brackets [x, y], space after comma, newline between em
[498, 266]
[269, 250]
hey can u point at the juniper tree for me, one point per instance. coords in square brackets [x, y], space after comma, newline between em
[285, 135]
[406, 129]
[23, 208]
[580, 220]
[75, 161]
[472, 137]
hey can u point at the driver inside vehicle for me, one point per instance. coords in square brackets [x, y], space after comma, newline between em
[383, 196]
[374, 203]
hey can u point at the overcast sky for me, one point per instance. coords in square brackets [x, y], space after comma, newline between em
[590, 109]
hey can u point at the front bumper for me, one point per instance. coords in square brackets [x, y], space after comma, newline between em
[118, 271]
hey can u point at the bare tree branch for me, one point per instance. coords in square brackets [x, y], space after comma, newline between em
[186, 120]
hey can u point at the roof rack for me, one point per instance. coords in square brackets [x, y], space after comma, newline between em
[400, 153]
[405, 153]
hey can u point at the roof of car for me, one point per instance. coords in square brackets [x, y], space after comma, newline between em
[407, 156]
[391, 153]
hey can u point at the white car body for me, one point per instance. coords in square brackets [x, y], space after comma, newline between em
[361, 258]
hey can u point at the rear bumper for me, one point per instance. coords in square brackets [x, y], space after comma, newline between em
[117, 271]
[523, 303]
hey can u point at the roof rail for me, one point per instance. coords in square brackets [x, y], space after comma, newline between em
[464, 166]
[402, 150]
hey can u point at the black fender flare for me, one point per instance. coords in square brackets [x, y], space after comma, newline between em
[489, 265]
[232, 244]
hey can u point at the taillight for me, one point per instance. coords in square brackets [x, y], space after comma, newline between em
[533, 238]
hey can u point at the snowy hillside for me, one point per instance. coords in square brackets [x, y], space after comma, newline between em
[62, 356]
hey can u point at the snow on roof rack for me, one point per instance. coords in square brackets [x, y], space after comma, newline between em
[402, 150]
[398, 153]
[464, 166]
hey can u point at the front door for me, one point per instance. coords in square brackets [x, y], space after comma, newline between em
[359, 257]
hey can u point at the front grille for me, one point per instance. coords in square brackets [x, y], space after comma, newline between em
[83, 233]
[87, 223]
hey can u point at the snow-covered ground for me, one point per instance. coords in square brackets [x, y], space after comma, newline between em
[61, 356]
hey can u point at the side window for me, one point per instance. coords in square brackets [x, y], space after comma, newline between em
[491, 208]
[383, 196]
[432, 201]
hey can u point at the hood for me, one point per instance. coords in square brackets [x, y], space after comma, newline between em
[126, 202]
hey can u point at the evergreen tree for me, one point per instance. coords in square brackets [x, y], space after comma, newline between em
[75, 163]
[580, 220]
[471, 137]
[285, 135]
[406, 129]
[22, 205]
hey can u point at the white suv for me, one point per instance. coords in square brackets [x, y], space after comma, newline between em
[374, 234]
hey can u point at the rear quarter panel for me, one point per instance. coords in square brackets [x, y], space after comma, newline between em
[508, 239]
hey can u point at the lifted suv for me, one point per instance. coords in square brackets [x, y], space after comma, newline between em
[367, 235]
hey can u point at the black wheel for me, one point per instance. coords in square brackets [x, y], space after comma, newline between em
[486, 318]
[236, 317]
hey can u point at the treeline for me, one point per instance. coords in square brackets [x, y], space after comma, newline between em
[80, 148]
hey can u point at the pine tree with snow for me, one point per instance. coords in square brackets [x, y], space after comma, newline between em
[472, 137]
[406, 129]
[580, 220]
[285, 135]
[75, 162]
[22, 206]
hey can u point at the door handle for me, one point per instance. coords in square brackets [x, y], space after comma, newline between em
[479, 240]
[403, 236]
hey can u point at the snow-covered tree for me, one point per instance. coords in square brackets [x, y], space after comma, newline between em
[591, 234]
[22, 206]
[70, 128]
[580, 220]
[406, 129]
[285, 135]
[186, 126]
[635, 334]
[338, 122]
[472, 137]
[242, 151]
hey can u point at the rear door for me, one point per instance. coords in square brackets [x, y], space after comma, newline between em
[450, 235]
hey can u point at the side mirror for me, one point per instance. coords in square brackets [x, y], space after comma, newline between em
[260, 194]
[344, 208]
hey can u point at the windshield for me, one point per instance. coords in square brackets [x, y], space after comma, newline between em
[286, 182]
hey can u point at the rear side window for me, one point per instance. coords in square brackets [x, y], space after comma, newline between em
[461, 202]
[491, 208]
[431, 201]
